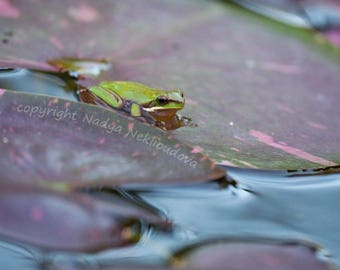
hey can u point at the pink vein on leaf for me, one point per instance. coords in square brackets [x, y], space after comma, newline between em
[8, 10]
[84, 13]
[57, 43]
[268, 140]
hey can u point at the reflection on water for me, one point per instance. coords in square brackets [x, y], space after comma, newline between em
[17, 257]
[41, 82]
[300, 207]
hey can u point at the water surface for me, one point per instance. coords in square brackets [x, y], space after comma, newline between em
[263, 206]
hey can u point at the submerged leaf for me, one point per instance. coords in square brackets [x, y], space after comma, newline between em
[255, 256]
[65, 221]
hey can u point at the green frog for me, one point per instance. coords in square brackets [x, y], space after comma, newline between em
[155, 106]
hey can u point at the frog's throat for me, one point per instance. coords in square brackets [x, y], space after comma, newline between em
[162, 114]
[161, 109]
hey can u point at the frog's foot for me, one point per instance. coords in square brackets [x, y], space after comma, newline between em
[185, 121]
[86, 96]
[176, 122]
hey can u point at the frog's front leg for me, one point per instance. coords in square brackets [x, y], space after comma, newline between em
[137, 110]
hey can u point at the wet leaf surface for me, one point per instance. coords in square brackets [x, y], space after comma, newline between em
[262, 95]
[68, 221]
[53, 140]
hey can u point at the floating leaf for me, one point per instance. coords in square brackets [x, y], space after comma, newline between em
[64, 221]
[49, 140]
[82, 267]
[263, 95]
[255, 256]
[90, 67]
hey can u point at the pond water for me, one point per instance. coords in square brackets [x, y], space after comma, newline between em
[270, 206]
[38, 82]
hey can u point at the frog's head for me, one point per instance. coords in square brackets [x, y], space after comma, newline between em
[165, 105]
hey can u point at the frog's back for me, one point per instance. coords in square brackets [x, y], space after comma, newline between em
[133, 91]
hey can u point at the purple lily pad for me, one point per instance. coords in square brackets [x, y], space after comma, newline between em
[73, 267]
[68, 221]
[261, 97]
[235, 256]
[45, 139]
[256, 256]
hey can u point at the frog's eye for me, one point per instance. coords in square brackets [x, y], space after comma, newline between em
[162, 100]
